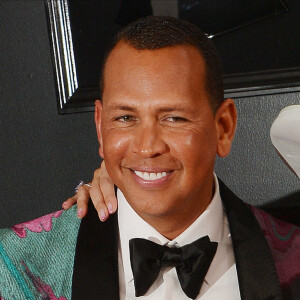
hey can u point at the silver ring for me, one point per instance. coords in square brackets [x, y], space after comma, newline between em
[80, 184]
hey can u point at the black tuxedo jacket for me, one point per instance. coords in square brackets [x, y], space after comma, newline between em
[96, 259]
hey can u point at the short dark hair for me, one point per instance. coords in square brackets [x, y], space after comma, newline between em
[156, 32]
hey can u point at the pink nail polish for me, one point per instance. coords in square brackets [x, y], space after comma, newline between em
[110, 208]
[79, 212]
[102, 214]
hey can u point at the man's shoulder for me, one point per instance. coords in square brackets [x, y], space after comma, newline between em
[39, 255]
[281, 238]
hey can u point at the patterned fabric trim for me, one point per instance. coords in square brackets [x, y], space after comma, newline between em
[37, 257]
[42, 288]
[13, 270]
[38, 225]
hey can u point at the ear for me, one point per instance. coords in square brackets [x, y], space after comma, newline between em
[226, 119]
[98, 123]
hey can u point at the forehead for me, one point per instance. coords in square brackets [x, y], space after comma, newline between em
[177, 70]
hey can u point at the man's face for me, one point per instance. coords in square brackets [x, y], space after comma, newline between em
[157, 131]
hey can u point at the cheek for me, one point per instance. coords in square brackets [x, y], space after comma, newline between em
[195, 148]
[115, 145]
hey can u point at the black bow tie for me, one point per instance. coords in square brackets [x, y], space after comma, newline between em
[191, 261]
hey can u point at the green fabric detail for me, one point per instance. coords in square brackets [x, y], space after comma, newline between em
[12, 269]
[49, 256]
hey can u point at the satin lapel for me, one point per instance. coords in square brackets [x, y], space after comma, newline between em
[96, 260]
[258, 279]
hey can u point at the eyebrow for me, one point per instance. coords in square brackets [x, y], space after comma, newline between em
[133, 109]
[170, 109]
[122, 107]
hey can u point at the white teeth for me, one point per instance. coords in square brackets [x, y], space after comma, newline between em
[138, 173]
[158, 175]
[150, 176]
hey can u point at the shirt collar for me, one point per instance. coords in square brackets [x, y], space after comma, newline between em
[131, 225]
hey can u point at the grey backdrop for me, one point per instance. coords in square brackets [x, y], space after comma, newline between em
[43, 154]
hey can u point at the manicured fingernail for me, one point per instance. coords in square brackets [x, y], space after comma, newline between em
[110, 208]
[102, 215]
[63, 205]
[79, 212]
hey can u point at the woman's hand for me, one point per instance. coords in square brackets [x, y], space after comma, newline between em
[101, 192]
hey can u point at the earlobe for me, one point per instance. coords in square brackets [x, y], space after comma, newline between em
[226, 119]
[98, 123]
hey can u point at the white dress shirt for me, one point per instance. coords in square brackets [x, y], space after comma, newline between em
[221, 280]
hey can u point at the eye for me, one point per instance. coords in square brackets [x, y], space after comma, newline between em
[176, 119]
[125, 118]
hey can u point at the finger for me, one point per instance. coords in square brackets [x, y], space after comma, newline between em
[69, 202]
[108, 189]
[108, 192]
[97, 196]
[83, 196]
[98, 201]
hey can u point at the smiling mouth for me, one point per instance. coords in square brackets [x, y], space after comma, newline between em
[150, 176]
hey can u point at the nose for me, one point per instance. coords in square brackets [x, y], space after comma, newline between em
[148, 141]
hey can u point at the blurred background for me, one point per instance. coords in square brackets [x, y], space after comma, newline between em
[43, 154]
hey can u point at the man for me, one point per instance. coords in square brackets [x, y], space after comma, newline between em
[179, 232]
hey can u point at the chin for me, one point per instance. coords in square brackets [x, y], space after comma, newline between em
[150, 206]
